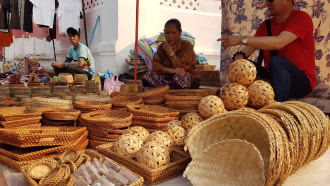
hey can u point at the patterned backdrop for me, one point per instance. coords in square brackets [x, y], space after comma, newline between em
[242, 17]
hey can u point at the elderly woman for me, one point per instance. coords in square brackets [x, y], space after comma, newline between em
[174, 63]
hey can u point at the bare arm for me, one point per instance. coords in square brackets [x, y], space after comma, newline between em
[264, 42]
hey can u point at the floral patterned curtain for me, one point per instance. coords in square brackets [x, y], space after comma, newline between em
[242, 17]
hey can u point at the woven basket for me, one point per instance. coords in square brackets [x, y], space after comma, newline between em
[112, 119]
[229, 162]
[46, 122]
[65, 78]
[234, 96]
[90, 106]
[80, 78]
[40, 136]
[42, 90]
[242, 71]
[152, 111]
[20, 91]
[178, 163]
[261, 94]
[17, 113]
[4, 91]
[51, 102]
[122, 101]
[103, 130]
[155, 95]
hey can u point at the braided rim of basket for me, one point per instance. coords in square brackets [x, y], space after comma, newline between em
[122, 101]
[47, 122]
[152, 110]
[94, 154]
[114, 118]
[54, 177]
[70, 155]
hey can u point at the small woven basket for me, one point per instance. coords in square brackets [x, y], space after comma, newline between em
[155, 95]
[65, 78]
[234, 96]
[20, 91]
[80, 78]
[242, 71]
[261, 94]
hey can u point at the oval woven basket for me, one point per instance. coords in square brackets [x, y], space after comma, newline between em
[80, 78]
[111, 119]
[122, 101]
[65, 78]
[155, 95]
[63, 114]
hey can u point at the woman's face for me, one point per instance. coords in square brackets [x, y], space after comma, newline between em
[172, 34]
[74, 39]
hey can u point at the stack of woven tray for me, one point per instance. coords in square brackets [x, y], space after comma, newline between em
[152, 117]
[120, 102]
[11, 117]
[61, 91]
[52, 116]
[40, 91]
[20, 146]
[184, 104]
[105, 126]
[90, 106]
[26, 91]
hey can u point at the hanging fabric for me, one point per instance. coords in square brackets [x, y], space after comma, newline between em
[68, 15]
[6, 38]
[43, 12]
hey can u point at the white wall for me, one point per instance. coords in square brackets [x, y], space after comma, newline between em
[115, 33]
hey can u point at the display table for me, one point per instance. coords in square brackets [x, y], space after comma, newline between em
[315, 173]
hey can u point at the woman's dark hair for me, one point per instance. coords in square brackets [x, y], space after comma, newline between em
[175, 22]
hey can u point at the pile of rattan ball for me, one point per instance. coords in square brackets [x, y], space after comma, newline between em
[243, 90]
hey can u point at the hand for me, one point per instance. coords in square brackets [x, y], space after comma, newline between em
[229, 41]
[179, 71]
[168, 48]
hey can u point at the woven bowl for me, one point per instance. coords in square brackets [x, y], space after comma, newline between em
[242, 71]
[234, 96]
[127, 145]
[210, 105]
[177, 133]
[189, 120]
[261, 94]
[153, 155]
[80, 78]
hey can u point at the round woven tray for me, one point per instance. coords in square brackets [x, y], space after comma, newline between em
[104, 130]
[122, 101]
[90, 106]
[152, 111]
[111, 119]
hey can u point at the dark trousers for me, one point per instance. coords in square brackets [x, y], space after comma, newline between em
[287, 79]
[72, 69]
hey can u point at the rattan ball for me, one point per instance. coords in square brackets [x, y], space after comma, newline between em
[138, 131]
[173, 122]
[234, 96]
[242, 71]
[261, 94]
[191, 119]
[177, 133]
[153, 155]
[210, 105]
[127, 145]
[161, 137]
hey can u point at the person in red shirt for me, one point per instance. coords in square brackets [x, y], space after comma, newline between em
[292, 70]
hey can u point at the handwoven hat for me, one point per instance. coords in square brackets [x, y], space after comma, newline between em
[228, 162]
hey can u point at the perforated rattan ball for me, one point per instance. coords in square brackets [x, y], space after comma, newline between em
[234, 96]
[161, 137]
[210, 105]
[242, 71]
[127, 145]
[153, 154]
[191, 119]
[261, 94]
[174, 122]
[138, 131]
[177, 133]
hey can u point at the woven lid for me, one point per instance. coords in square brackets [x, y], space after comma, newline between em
[242, 71]
[234, 96]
